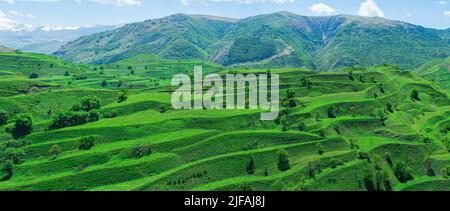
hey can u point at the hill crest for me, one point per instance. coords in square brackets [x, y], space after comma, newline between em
[277, 40]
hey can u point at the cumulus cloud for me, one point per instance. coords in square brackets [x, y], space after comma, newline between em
[119, 2]
[447, 13]
[110, 2]
[187, 2]
[8, 24]
[370, 9]
[321, 9]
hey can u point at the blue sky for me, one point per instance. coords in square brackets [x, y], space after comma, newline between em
[429, 13]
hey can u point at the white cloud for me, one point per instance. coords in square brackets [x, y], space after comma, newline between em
[187, 2]
[8, 24]
[111, 2]
[321, 9]
[118, 2]
[447, 13]
[15, 13]
[442, 2]
[370, 9]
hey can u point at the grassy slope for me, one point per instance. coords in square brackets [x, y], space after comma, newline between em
[209, 150]
[437, 71]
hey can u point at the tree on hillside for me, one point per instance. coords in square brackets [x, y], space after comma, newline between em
[390, 107]
[104, 83]
[445, 172]
[402, 172]
[361, 79]
[88, 104]
[54, 151]
[8, 168]
[353, 144]
[380, 86]
[86, 143]
[382, 116]
[162, 109]
[350, 76]
[123, 96]
[290, 94]
[266, 172]
[312, 169]
[284, 123]
[283, 160]
[301, 124]
[22, 127]
[330, 112]
[251, 166]
[34, 75]
[140, 151]
[428, 166]
[415, 95]
[320, 149]
[3, 118]
[15, 155]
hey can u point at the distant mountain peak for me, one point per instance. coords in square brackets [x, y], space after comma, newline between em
[278, 39]
[4, 49]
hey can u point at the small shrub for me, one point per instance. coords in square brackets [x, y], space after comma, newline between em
[140, 151]
[415, 95]
[34, 75]
[22, 127]
[123, 96]
[3, 118]
[86, 143]
[15, 155]
[54, 151]
[301, 124]
[402, 172]
[320, 149]
[251, 166]
[331, 112]
[283, 160]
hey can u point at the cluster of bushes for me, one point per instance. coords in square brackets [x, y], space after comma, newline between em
[285, 118]
[79, 77]
[86, 143]
[71, 118]
[23, 125]
[184, 180]
[3, 118]
[140, 151]
[82, 113]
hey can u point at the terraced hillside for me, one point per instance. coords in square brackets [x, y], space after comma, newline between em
[437, 70]
[370, 129]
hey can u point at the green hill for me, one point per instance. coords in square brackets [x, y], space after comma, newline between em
[275, 40]
[438, 71]
[376, 128]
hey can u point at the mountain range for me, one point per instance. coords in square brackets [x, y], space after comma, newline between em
[280, 39]
[5, 49]
[46, 39]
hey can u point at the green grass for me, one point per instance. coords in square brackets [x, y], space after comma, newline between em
[209, 150]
